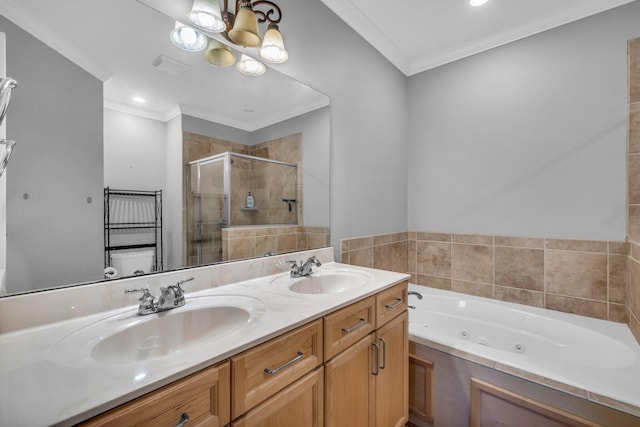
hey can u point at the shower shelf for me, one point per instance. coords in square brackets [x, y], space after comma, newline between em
[133, 215]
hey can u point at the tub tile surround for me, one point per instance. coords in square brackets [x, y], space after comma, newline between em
[42, 308]
[633, 190]
[585, 277]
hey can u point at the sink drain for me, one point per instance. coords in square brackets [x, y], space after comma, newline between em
[519, 348]
[464, 334]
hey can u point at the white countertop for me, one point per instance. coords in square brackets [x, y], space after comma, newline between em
[38, 387]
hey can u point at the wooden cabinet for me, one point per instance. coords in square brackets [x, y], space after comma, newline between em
[300, 404]
[391, 383]
[203, 396]
[350, 387]
[367, 383]
[282, 382]
[262, 371]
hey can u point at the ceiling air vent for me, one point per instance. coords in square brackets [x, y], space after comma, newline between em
[170, 66]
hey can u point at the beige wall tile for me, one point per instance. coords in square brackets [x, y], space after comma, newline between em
[361, 257]
[476, 239]
[287, 243]
[579, 274]
[633, 298]
[411, 256]
[399, 261]
[266, 244]
[618, 278]
[473, 263]
[634, 76]
[520, 268]
[412, 235]
[434, 237]
[434, 282]
[634, 325]
[633, 228]
[433, 258]
[241, 248]
[316, 241]
[577, 245]
[633, 173]
[616, 247]
[345, 258]
[359, 243]
[618, 313]
[520, 296]
[382, 257]
[520, 242]
[472, 288]
[634, 128]
[382, 239]
[580, 306]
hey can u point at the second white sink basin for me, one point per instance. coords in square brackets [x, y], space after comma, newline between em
[128, 337]
[324, 282]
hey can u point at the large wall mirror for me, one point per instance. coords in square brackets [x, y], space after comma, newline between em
[106, 101]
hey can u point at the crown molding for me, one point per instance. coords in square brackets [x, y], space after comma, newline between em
[142, 112]
[349, 13]
[14, 13]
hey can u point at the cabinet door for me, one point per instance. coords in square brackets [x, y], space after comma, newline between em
[392, 381]
[203, 396]
[300, 404]
[349, 386]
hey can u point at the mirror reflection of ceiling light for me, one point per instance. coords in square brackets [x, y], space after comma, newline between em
[249, 66]
[186, 38]
[205, 14]
[139, 99]
[240, 28]
[477, 2]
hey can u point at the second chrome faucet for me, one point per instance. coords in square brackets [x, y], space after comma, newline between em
[304, 269]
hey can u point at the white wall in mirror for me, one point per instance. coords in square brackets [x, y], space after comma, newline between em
[3, 183]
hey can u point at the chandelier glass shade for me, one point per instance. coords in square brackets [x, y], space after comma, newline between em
[241, 29]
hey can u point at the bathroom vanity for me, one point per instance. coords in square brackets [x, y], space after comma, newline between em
[310, 353]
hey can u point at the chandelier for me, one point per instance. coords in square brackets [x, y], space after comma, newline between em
[240, 28]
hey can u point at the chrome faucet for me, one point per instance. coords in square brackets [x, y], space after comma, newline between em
[418, 294]
[304, 269]
[171, 296]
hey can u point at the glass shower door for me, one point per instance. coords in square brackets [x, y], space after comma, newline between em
[206, 211]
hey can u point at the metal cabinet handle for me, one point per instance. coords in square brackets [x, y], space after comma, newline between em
[384, 353]
[184, 419]
[354, 327]
[281, 367]
[398, 302]
[377, 371]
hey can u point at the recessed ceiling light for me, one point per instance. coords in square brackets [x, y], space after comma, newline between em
[477, 2]
[139, 99]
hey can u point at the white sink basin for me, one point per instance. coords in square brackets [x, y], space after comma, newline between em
[128, 337]
[324, 282]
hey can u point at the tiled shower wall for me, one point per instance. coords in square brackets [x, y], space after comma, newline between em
[576, 276]
[633, 188]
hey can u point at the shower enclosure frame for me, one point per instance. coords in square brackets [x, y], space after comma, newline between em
[225, 221]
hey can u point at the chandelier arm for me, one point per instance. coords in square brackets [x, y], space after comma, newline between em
[272, 9]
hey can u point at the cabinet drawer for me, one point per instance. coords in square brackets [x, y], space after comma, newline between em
[203, 396]
[346, 326]
[300, 404]
[390, 303]
[262, 371]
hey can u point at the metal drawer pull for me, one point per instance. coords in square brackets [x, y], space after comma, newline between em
[384, 353]
[398, 302]
[377, 371]
[184, 419]
[354, 327]
[281, 367]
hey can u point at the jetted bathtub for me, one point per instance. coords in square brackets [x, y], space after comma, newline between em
[598, 356]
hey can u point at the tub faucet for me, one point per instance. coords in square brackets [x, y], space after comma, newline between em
[304, 269]
[418, 294]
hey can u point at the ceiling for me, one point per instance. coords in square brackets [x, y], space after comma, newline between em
[123, 59]
[423, 34]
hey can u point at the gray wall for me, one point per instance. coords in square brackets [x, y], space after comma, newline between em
[172, 214]
[212, 129]
[56, 119]
[368, 119]
[528, 138]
